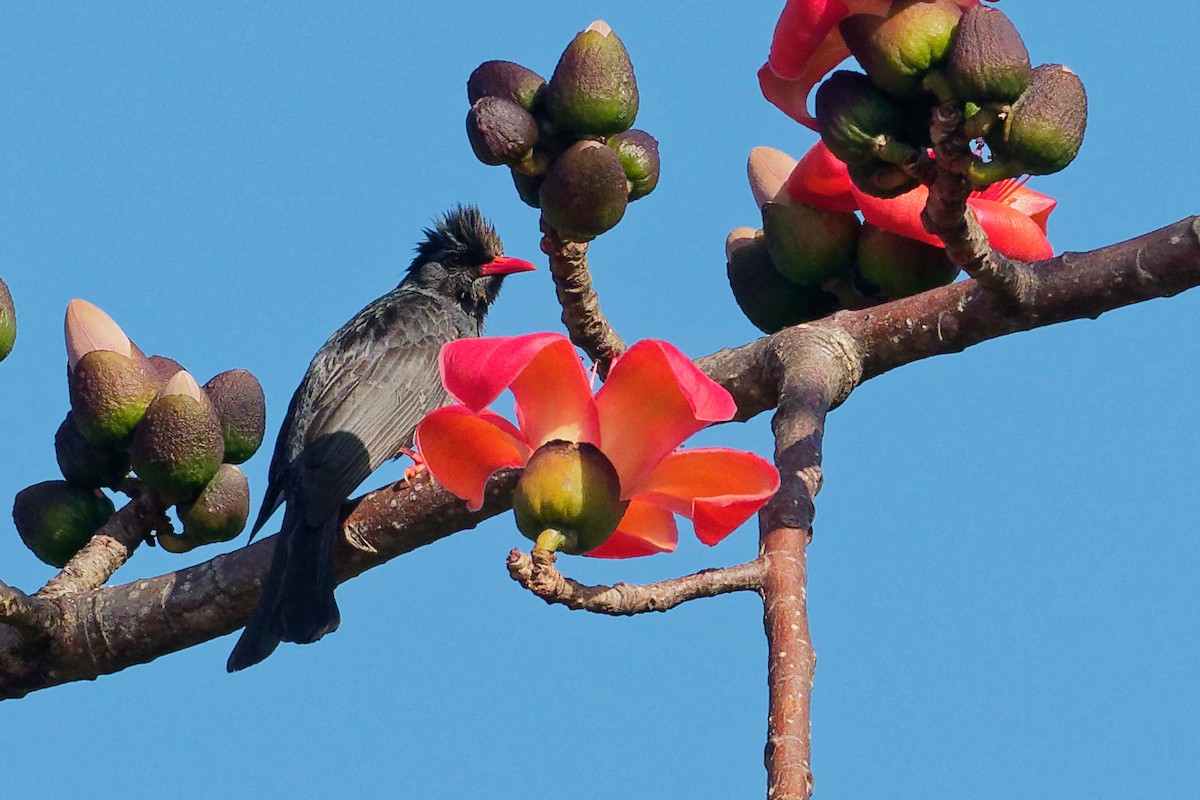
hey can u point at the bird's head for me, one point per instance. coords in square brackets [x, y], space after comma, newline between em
[462, 257]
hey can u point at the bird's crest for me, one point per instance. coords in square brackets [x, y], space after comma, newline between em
[462, 232]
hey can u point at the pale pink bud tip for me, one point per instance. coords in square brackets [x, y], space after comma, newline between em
[768, 170]
[599, 26]
[183, 383]
[738, 238]
[87, 328]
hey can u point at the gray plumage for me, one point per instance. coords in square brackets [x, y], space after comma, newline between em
[356, 407]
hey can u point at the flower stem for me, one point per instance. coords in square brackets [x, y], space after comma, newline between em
[550, 540]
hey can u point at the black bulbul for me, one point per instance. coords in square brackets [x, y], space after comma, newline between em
[357, 406]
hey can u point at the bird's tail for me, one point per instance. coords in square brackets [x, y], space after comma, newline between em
[297, 603]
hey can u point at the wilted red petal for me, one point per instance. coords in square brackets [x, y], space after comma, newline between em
[900, 215]
[653, 400]
[821, 179]
[554, 397]
[1015, 193]
[462, 449]
[645, 529]
[87, 328]
[717, 488]
[1010, 232]
[476, 371]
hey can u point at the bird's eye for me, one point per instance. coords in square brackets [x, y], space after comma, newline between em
[450, 261]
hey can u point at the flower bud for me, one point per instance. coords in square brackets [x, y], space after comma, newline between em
[8, 321]
[55, 520]
[220, 511]
[528, 188]
[506, 80]
[87, 328]
[898, 50]
[769, 300]
[853, 117]
[988, 61]
[573, 489]
[585, 192]
[237, 398]
[178, 446]
[1045, 128]
[593, 90]
[881, 179]
[768, 170]
[899, 266]
[165, 367]
[500, 131]
[810, 245]
[87, 465]
[638, 152]
[110, 393]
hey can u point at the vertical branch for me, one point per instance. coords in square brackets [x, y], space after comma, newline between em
[815, 376]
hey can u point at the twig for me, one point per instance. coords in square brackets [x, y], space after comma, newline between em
[947, 215]
[585, 322]
[110, 547]
[538, 574]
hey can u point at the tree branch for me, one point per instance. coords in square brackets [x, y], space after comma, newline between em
[585, 322]
[538, 574]
[105, 630]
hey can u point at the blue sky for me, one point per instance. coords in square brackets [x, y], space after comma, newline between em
[1003, 581]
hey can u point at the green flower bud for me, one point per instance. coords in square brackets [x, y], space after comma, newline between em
[855, 119]
[585, 192]
[110, 394]
[593, 90]
[500, 131]
[506, 80]
[770, 301]
[899, 266]
[55, 519]
[178, 446]
[8, 321]
[898, 50]
[809, 246]
[1045, 128]
[220, 511]
[881, 179]
[237, 398]
[87, 465]
[988, 60]
[638, 152]
[528, 187]
[572, 489]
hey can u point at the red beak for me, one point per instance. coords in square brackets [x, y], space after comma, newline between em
[503, 265]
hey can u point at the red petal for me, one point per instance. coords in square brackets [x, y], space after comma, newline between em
[900, 215]
[476, 371]
[653, 400]
[462, 449]
[1010, 232]
[822, 180]
[554, 397]
[1015, 193]
[644, 530]
[717, 488]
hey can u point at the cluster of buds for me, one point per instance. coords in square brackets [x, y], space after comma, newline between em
[8, 321]
[807, 261]
[568, 142]
[929, 52]
[130, 412]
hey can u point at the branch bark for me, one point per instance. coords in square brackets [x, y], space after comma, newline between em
[104, 630]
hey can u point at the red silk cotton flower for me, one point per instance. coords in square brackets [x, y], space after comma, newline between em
[653, 400]
[807, 45]
[1013, 215]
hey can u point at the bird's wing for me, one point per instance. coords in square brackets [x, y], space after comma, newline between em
[371, 384]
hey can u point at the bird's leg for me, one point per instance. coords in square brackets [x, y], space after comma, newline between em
[415, 469]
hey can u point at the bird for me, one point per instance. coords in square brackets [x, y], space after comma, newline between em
[357, 407]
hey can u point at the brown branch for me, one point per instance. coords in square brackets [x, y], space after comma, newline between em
[948, 217]
[538, 574]
[105, 630]
[110, 547]
[585, 322]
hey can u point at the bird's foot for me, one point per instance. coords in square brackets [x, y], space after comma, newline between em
[415, 469]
